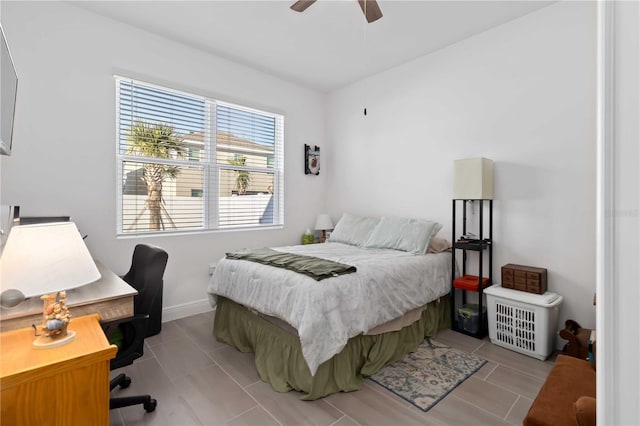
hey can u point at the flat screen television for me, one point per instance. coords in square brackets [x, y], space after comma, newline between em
[8, 92]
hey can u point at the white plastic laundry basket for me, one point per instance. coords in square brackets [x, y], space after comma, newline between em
[521, 321]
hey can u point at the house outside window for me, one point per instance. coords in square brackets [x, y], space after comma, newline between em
[194, 153]
[188, 163]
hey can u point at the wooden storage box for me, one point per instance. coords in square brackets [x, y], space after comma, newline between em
[524, 278]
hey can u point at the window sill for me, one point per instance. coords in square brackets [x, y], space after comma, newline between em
[130, 235]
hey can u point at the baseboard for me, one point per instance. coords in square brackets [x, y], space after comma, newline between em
[186, 310]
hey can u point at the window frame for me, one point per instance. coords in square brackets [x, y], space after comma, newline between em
[211, 169]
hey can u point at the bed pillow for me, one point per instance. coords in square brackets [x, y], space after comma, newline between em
[438, 245]
[411, 235]
[353, 229]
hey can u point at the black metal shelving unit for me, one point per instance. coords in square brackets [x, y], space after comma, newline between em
[479, 246]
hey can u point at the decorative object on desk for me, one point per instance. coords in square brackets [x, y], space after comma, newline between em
[311, 160]
[324, 224]
[41, 260]
[307, 237]
[55, 320]
[427, 375]
[473, 179]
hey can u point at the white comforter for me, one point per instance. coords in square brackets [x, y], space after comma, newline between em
[327, 313]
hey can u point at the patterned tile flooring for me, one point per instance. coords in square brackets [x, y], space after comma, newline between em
[199, 381]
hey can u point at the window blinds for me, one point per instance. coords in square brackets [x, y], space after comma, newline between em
[186, 162]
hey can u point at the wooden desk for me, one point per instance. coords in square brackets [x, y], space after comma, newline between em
[110, 297]
[67, 385]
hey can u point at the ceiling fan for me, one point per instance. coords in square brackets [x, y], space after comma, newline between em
[370, 8]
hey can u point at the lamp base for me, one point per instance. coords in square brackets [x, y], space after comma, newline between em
[44, 342]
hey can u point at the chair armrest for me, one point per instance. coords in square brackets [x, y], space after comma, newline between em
[585, 408]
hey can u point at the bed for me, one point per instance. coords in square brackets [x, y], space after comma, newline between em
[321, 336]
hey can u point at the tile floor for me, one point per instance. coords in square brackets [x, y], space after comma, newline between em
[199, 381]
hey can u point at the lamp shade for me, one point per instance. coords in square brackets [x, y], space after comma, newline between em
[323, 222]
[46, 258]
[473, 179]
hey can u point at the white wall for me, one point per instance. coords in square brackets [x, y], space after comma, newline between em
[522, 94]
[64, 147]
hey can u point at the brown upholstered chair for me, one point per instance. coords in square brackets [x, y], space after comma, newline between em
[567, 398]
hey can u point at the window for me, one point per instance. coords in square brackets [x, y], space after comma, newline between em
[194, 153]
[187, 162]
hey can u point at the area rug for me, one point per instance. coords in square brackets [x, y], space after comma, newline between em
[427, 375]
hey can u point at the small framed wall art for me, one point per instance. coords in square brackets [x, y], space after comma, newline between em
[311, 160]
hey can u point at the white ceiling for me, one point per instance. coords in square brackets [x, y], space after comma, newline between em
[328, 46]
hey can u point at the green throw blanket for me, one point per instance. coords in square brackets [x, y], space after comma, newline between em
[314, 267]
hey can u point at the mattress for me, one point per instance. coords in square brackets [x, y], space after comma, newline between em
[389, 326]
[387, 285]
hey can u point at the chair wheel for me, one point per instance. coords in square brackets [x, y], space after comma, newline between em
[149, 407]
[125, 382]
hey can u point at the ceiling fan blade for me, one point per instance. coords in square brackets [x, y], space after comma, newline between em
[302, 5]
[370, 9]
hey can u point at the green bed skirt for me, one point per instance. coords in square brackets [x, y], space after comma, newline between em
[279, 360]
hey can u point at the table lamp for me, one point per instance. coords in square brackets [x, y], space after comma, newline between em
[473, 179]
[41, 261]
[324, 224]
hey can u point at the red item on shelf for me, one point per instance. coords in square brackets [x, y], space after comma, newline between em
[470, 282]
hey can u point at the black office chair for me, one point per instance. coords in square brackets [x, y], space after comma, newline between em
[145, 275]
[147, 269]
